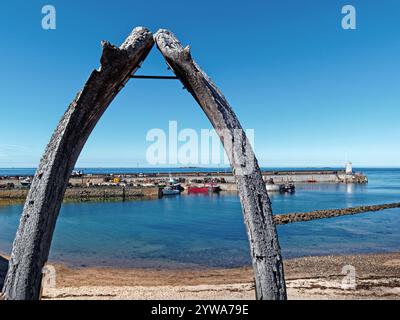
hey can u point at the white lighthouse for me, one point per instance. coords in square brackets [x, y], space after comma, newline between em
[349, 168]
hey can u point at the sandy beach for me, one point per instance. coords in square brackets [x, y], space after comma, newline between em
[377, 277]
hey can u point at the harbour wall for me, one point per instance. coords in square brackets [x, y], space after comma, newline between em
[317, 177]
[326, 176]
[90, 193]
[99, 187]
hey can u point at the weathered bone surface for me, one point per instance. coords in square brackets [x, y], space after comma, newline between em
[256, 205]
[32, 243]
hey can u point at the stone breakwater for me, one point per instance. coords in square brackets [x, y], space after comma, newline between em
[322, 214]
[91, 193]
[315, 176]
[290, 176]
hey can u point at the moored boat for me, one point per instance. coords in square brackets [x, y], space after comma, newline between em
[213, 187]
[169, 191]
[282, 188]
[196, 189]
[273, 187]
[26, 182]
[76, 174]
[175, 185]
[289, 188]
[172, 188]
[207, 188]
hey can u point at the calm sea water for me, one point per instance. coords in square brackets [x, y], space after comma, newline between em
[208, 231]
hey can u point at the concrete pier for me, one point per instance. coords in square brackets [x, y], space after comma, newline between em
[316, 176]
[299, 176]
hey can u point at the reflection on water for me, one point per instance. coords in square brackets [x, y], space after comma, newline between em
[197, 230]
[350, 188]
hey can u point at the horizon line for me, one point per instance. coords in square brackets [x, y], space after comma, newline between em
[208, 167]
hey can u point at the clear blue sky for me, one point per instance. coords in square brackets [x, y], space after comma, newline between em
[315, 94]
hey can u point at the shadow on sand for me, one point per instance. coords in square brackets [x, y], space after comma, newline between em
[3, 270]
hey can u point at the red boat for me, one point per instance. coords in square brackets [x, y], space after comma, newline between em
[197, 189]
[212, 188]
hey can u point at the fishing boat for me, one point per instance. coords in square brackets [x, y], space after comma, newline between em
[76, 174]
[172, 188]
[207, 188]
[289, 188]
[274, 187]
[282, 188]
[214, 188]
[26, 182]
[175, 185]
[197, 189]
[169, 191]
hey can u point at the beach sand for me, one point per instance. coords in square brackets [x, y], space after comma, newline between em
[377, 277]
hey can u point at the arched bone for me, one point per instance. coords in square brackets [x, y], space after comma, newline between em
[32, 243]
[256, 205]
